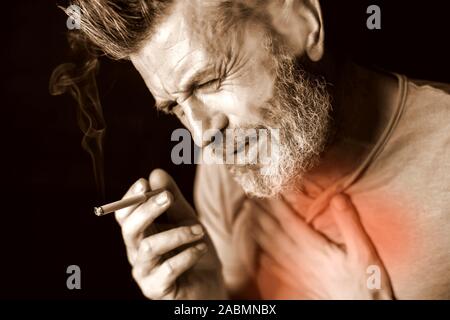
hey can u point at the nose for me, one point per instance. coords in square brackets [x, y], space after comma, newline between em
[202, 122]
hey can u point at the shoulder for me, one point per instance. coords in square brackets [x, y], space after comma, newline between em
[417, 151]
[425, 119]
[411, 175]
[424, 123]
[429, 100]
[431, 88]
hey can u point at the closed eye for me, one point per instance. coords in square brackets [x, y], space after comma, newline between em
[210, 85]
[167, 107]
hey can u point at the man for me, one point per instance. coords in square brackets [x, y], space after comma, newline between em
[356, 205]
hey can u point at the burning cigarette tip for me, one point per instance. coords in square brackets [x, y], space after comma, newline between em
[99, 211]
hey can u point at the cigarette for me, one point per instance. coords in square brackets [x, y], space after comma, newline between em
[127, 202]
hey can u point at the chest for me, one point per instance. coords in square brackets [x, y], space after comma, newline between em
[400, 235]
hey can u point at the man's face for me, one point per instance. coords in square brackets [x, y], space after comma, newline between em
[246, 87]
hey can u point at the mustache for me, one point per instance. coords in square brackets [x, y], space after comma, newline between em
[247, 145]
[232, 136]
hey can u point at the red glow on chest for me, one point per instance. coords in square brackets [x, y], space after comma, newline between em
[387, 219]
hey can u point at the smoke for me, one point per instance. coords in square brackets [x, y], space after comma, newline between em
[79, 80]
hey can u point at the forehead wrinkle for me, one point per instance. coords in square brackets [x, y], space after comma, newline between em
[184, 57]
[181, 56]
[157, 71]
[160, 82]
[143, 63]
[152, 75]
[190, 68]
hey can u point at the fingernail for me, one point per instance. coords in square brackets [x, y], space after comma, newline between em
[139, 186]
[201, 247]
[162, 198]
[340, 202]
[197, 230]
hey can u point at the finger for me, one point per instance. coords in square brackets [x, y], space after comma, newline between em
[180, 210]
[143, 216]
[152, 248]
[175, 266]
[347, 219]
[358, 243]
[271, 266]
[140, 186]
[295, 226]
[271, 238]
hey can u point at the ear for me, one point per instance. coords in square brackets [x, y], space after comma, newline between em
[300, 23]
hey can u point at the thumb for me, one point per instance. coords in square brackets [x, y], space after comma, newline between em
[347, 219]
[181, 209]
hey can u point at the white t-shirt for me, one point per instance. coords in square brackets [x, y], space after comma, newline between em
[401, 190]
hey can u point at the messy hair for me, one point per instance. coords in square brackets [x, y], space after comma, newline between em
[118, 27]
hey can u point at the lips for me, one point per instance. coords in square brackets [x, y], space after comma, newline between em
[242, 149]
[229, 151]
[250, 151]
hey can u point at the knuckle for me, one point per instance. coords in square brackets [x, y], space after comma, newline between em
[149, 291]
[178, 237]
[147, 248]
[136, 273]
[182, 234]
[152, 206]
[187, 233]
[191, 255]
[160, 287]
[157, 292]
[127, 229]
[131, 255]
[155, 288]
[169, 269]
[150, 211]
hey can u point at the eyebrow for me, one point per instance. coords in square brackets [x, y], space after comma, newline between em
[197, 77]
[186, 86]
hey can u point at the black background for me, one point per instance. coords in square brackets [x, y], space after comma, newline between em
[47, 220]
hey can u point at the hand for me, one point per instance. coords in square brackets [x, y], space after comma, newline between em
[175, 260]
[305, 259]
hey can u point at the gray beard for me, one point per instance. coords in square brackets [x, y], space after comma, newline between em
[301, 110]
